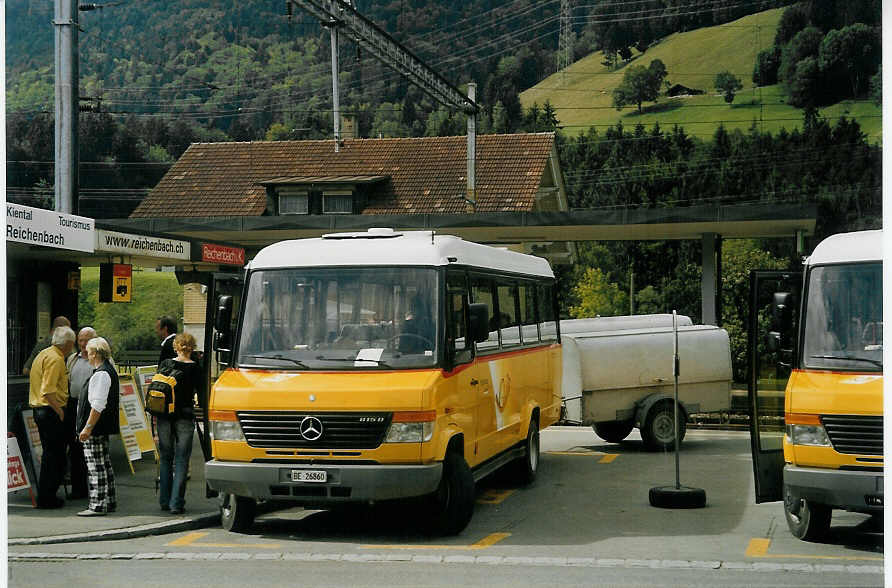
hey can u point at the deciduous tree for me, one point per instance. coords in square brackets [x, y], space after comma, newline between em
[728, 84]
[640, 84]
[598, 297]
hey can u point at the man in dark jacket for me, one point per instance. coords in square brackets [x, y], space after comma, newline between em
[166, 327]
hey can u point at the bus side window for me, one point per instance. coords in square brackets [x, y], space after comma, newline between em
[529, 326]
[508, 320]
[482, 291]
[457, 317]
[545, 304]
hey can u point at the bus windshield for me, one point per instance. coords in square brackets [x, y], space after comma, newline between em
[844, 318]
[340, 318]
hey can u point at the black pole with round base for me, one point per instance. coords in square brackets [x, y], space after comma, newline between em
[677, 496]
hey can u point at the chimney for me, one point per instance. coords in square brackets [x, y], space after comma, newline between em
[471, 198]
[348, 126]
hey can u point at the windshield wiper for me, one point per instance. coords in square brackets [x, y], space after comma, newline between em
[849, 358]
[281, 357]
[352, 359]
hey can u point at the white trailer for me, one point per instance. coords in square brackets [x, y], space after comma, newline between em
[618, 375]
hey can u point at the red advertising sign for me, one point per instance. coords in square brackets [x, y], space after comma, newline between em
[222, 254]
[16, 476]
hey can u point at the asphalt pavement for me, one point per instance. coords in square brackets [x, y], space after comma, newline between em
[138, 514]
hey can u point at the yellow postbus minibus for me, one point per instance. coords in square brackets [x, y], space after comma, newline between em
[382, 365]
[817, 383]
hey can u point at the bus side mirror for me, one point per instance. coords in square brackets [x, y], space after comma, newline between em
[479, 314]
[782, 311]
[222, 320]
[780, 337]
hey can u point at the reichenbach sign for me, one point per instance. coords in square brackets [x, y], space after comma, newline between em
[36, 226]
[222, 254]
[142, 245]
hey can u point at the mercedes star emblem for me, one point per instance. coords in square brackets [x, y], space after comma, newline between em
[311, 428]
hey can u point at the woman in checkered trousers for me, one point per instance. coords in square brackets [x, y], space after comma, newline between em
[97, 418]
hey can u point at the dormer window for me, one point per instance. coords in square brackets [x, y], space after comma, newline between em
[293, 201]
[337, 202]
[313, 195]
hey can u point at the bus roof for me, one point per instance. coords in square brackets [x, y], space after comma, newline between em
[386, 247]
[848, 248]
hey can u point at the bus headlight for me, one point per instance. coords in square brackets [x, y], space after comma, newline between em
[225, 426]
[807, 435]
[411, 427]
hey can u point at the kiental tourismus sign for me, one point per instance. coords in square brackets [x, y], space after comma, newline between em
[36, 226]
[142, 245]
[211, 253]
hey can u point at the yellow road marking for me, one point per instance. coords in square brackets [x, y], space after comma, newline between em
[491, 539]
[605, 457]
[493, 496]
[583, 453]
[191, 539]
[759, 548]
[187, 539]
[487, 541]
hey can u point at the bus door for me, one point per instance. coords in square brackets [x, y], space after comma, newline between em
[221, 284]
[772, 330]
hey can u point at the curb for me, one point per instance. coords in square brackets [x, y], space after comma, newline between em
[196, 522]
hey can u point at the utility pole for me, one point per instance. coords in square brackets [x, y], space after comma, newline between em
[386, 49]
[471, 199]
[342, 14]
[333, 25]
[565, 41]
[65, 22]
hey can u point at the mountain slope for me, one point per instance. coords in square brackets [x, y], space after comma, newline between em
[582, 96]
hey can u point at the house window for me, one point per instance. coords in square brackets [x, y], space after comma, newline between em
[337, 203]
[293, 202]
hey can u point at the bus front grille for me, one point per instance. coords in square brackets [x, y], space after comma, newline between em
[271, 428]
[855, 434]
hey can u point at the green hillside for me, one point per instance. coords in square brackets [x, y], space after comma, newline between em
[582, 95]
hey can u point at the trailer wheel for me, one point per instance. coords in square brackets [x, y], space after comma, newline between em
[807, 520]
[657, 432]
[613, 431]
[453, 501]
[237, 512]
[524, 468]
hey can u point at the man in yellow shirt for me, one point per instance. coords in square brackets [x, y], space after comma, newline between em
[48, 397]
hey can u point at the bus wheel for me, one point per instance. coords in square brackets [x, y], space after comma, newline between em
[237, 512]
[657, 431]
[524, 468]
[807, 520]
[613, 431]
[453, 501]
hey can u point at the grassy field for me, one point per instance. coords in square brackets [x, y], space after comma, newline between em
[582, 95]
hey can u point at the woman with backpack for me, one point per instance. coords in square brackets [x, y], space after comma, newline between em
[97, 418]
[175, 430]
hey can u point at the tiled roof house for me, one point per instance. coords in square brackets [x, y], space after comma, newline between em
[514, 173]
